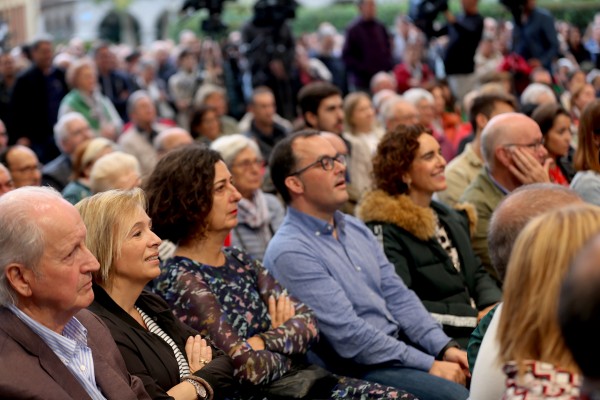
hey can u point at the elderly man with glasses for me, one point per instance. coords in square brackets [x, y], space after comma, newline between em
[23, 165]
[514, 155]
[372, 327]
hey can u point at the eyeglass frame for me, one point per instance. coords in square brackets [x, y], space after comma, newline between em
[533, 146]
[324, 161]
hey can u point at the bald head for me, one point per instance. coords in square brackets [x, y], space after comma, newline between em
[170, 139]
[508, 129]
[516, 210]
[24, 166]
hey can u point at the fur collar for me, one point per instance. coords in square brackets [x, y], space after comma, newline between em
[400, 210]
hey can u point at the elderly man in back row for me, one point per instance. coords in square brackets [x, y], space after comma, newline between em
[373, 327]
[70, 130]
[514, 155]
[137, 139]
[51, 347]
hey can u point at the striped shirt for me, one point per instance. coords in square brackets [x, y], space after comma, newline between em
[71, 347]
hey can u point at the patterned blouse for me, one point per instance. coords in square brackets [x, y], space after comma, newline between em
[229, 305]
[540, 380]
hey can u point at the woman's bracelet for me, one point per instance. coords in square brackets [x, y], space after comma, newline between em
[203, 389]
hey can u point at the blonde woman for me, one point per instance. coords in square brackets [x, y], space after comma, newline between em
[364, 135]
[535, 357]
[170, 358]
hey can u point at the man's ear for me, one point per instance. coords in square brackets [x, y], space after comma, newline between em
[481, 121]
[294, 185]
[19, 277]
[312, 119]
[503, 155]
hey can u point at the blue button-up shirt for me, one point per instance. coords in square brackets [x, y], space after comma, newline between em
[71, 347]
[361, 304]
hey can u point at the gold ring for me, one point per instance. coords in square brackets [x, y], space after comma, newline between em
[203, 362]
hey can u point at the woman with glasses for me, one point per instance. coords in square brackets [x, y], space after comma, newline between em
[259, 214]
[225, 294]
[587, 156]
[428, 242]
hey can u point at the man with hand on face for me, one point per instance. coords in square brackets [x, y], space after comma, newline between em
[52, 347]
[372, 326]
[514, 155]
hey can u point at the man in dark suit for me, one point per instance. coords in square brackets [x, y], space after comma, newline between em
[35, 101]
[52, 347]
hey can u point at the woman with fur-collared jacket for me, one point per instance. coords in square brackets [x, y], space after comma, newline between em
[428, 242]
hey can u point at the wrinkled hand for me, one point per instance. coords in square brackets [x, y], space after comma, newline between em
[527, 169]
[198, 353]
[280, 310]
[448, 370]
[484, 312]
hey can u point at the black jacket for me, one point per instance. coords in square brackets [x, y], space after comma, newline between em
[150, 357]
[407, 233]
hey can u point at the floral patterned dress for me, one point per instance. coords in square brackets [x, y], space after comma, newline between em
[228, 304]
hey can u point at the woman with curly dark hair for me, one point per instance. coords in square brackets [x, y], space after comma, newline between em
[229, 297]
[428, 242]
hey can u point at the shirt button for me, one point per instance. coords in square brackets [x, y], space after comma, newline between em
[82, 368]
[318, 233]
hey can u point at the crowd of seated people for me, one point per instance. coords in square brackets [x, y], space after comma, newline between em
[354, 249]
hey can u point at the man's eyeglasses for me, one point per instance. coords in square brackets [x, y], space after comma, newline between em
[532, 146]
[326, 162]
[27, 169]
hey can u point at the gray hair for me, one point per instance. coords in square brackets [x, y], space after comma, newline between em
[61, 133]
[230, 146]
[533, 93]
[21, 237]
[109, 168]
[205, 91]
[415, 95]
[134, 98]
[387, 108]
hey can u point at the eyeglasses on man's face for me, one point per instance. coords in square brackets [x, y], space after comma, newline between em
[532, 146]
[326, 162]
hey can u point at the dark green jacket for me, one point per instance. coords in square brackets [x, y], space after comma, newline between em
[407, 233]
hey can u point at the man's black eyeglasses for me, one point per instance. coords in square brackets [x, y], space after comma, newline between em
[326, 162]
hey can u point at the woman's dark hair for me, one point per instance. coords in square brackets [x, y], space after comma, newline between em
[180, 193]
[586, 155]
[545, 114]
[196, 117]
[395, 154]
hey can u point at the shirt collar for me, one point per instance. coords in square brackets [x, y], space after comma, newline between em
[496, 183]
[65, 345]
[318, 226]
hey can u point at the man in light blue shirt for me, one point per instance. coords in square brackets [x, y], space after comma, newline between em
[372, 326]
[52, 347]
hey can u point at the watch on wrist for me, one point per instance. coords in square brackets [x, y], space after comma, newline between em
[200, 390]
